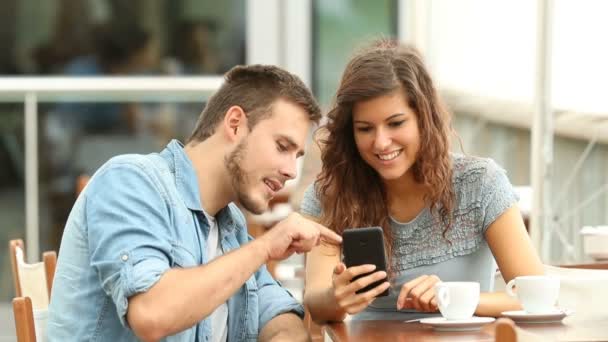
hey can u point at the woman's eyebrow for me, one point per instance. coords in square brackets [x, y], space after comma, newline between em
[396, 115]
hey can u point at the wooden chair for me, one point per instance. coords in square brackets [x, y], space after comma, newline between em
[24, 319]
[505, 330]
[33, 285]
[81, 182]
[32, 280]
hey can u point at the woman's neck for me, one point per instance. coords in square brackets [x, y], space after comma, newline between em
[405, 197]
[402, 187]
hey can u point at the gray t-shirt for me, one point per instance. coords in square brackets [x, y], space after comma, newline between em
[483, 192]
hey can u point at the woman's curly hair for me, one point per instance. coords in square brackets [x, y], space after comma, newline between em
[351, 193]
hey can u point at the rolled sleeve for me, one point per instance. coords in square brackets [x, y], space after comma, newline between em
[274, 299]
[128, 221]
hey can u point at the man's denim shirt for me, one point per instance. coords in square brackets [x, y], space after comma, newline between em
[139, 216]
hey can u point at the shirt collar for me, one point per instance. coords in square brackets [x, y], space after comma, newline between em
[185, 176]
[187, 183]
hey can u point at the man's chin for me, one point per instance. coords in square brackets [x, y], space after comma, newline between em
[256, 210]
[256, 207]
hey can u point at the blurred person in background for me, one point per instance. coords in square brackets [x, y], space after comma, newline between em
[387, 162]
[121, 49]
[195, 50]
[155, 248]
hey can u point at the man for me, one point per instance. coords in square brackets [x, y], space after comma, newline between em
[154, 249]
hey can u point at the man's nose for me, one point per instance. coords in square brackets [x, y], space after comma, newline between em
[290, 168]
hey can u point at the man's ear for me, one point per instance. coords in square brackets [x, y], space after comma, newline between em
[235, 123]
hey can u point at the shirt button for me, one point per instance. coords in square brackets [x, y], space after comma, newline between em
[124, 257]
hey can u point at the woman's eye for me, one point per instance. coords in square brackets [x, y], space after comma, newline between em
[396, 123]
[363, 129]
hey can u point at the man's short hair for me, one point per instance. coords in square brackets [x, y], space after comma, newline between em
[255, 88]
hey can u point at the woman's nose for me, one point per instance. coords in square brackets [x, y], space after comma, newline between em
[382, 140]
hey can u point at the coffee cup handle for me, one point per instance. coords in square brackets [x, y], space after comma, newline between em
[443, 296]
[509, 288]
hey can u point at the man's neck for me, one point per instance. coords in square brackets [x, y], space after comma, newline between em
[214, 185]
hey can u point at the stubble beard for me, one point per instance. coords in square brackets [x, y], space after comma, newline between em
[239, 179]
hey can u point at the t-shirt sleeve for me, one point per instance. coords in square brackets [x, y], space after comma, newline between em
[497, 192]
[310, 204]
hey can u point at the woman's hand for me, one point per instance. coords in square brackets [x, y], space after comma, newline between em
[344, 289]
[419, 294]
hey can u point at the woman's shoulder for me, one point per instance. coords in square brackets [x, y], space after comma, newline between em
[471, 169]
[310, 204]
[476, 178]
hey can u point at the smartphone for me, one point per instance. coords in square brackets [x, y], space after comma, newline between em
[362, 246]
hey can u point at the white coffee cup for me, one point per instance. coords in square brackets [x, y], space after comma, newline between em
[537, 294]
[457, 300]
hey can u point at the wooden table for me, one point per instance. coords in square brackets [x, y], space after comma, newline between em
[573, 328]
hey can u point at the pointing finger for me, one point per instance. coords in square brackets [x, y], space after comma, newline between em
[329, 235]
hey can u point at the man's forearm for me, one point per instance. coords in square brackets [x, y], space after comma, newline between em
[183, 297]
[284, 327]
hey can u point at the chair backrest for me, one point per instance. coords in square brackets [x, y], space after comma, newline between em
[24, 319]
[505, 330]
[12, 247]
[32, 280]
[33, 284]
[81, 182]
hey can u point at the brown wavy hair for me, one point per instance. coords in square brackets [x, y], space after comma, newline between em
[350, 191]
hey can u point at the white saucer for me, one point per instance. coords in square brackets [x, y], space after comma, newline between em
[521, 316]
[443, 324]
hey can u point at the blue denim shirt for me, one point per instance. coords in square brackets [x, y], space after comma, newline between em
[139, 216]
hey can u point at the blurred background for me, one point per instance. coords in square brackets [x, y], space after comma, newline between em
[525, 81]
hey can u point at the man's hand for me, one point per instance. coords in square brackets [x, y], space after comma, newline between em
[296, 234]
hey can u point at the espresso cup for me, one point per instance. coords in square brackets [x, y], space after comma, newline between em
[457, 300]
[537, 294]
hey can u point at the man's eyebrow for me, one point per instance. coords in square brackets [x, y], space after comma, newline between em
[396, 115]
[292, 144]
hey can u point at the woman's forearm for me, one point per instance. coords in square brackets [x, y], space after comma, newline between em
[494, 303]
[322, 305]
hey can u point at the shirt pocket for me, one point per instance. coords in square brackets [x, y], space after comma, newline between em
[182, 257]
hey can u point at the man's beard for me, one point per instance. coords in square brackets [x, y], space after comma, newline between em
[239, 179]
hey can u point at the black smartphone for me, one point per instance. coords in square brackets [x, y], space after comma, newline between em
[362, 246]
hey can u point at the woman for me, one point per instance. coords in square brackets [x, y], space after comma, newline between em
[386, 162]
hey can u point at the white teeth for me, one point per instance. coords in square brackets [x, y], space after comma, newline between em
[389, 156]
[270, 184]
